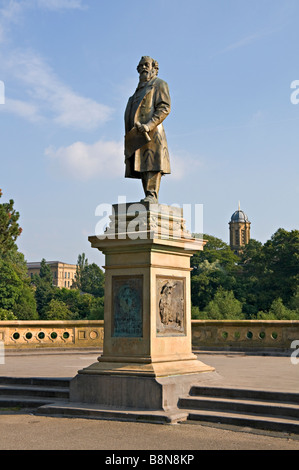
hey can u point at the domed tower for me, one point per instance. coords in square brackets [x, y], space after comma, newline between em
[239, 231]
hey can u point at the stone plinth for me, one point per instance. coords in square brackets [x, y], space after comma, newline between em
[147, 359]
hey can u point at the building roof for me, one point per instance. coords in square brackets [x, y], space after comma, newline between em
[239, 216]
[36, 264]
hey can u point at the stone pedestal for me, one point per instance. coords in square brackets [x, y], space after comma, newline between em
[147, 360]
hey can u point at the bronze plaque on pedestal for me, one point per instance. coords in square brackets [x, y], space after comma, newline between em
[127, 306]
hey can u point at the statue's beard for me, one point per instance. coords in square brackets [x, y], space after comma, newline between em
[146, 76]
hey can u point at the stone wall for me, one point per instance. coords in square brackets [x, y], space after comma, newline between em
[207, 335]
[244, 335]
[49, 334]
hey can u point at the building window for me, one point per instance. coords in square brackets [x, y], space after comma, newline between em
[64, 283]
[243, 237]
[68, 275]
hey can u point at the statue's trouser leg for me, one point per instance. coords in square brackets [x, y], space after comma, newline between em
[151, 183]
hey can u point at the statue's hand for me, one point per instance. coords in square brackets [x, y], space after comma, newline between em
[142, 127]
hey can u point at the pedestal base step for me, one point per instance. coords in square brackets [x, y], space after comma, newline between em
[88, 411]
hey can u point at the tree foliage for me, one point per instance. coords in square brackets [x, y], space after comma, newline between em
[16, 295]
[264, 280]
[9, 227]
[57, 310]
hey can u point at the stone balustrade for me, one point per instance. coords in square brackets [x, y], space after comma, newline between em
[244, 335]
[207, 335]
[49, 334]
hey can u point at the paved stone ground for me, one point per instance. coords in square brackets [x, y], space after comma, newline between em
[24, 431]
[232, 369]
[29, 432]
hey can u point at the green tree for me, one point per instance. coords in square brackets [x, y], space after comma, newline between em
[216, 266]
[294, 301]
[57, 310]
[97, 309]
[82, 263]
[92, 280]
[25, 306]
[9, 227]
[78, 303]
[44, 288]
[224, 306]
[6, 315]
[281, 255]
[10, 285]
[16, 295]
[278, 311]
[216, 250]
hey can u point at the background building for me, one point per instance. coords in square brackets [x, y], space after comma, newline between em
[239, 231]
[63, 274]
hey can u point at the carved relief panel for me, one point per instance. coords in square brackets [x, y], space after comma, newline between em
[170, 306]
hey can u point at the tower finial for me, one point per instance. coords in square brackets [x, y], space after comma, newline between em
[239, 206]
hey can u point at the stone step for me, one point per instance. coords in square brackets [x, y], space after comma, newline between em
[46, 381]
[34, 391]
[261, 408]
[268, 423]
[251, 394]
[23, 402]
[101, 412]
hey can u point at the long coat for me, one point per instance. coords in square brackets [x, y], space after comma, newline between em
[150, 106]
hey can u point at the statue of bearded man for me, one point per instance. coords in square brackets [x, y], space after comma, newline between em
[146, 150]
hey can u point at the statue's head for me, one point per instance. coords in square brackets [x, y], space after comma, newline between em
[147, 68]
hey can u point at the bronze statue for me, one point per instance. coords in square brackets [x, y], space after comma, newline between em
[146, 150]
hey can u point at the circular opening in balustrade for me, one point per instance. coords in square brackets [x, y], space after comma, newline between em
[28, 335]
[274, 335]
[262, 335]
[53, 335]
[224, 334]
[66, 335]
[94, 335]
[16, 335]
[41, 335]
[249, 335]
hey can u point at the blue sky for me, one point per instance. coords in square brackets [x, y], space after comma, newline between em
[69, 67]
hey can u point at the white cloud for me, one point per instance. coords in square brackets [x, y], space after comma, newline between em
[50, 96]
[44, 94]
[84, 162]
[21, 108]
[182, 164]
[105, 159]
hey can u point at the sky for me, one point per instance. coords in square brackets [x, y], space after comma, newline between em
[67, 69]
